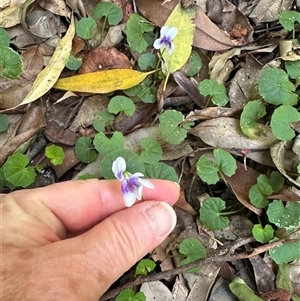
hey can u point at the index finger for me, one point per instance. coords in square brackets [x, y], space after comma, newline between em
[81, 204]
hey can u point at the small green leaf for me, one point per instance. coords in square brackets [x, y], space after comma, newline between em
[285, 253]
[284, 217]
[144, 267]
[85, 28]
[195, 64]
[87, 176]
[84, 150]
[162, 171]
[275, 87]
[252, 111]
[11, 65]
[211, 216]
[169, 126]
[74, 63]
[121, 104]
[145, 91]
[193, 250]
[138, 31]
[129, 295]
[293, 68]
[101, 120]
[15, 170]
[106, 145]
[276, 181]
[207, 170]
[147, 60]
[225, 162]
[288, 18]
[4, 37]
[261, 234]
[283, 279]
[280, 122]
[110, 10]
[215, 90]
[240, 289]
[55, 154]
[152, 150]
[133, 163]
[4, 122]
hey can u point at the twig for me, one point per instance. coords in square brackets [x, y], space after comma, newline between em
[182, 269]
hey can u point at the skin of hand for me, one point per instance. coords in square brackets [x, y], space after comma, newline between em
[72, 240]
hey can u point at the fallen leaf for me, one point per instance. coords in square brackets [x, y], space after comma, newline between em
[9, 16]
[47, 77]
[57, 7]
[104, 58]
[102, 81]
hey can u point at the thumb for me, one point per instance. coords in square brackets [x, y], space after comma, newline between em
[117, 243]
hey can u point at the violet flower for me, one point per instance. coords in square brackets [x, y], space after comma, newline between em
[166, 37]
[132, 184]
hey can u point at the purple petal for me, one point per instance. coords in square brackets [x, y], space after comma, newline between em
[171, 48]
[130, 191]
[118, 167]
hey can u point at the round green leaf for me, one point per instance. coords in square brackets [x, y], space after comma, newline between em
[4, 122]
[84, 151]
[261, 234]
[215, 90]
[110, 10]
[74, 63]
[147, 60]
[275, 87]
[284, 216]
[286, 253]
[195, 64]
[121, 104]
[144, 267]
[225, 162]
[152, 150]
[102, 119]
[15, 170]
[162, 171]
[85, 27]
[11, 65]
[210, 214]
[207, 170]
[133, 163]
[288, 18]
[257, 197]
[55, 154]
[293, 68]
[280, 122]
[4, 37]
[138, 30]
[252, 111]
[106, 145]
[193, 250]
[169, 126]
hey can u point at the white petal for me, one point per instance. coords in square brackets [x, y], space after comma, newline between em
[157, 44]
[146, 183]
[139, 192]
[164, 31]
[171, 49]
[138, 174]
[172, 32]
[118, 167]
[129, 198]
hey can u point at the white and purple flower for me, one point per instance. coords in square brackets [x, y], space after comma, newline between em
[166, 38]
[132, 184]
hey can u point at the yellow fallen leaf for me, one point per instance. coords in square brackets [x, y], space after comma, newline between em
[49, 75]
[102, 81]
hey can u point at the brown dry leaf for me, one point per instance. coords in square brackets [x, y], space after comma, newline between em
[184, 205]
[242, 85]
[78, 45]
[32, 122]
[279, 154]
[241, 182]
[57, 7]
[33, 59]
[211, 112]
[114, 35]
[286, 194]
[156, 290]
[104, 58]
[126, 7]
[10, 15]
[229, 18]
[269, 10]
[88, 111]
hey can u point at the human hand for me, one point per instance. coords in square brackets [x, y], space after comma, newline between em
[72, 240]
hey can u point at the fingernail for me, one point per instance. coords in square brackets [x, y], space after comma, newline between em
[161, 217]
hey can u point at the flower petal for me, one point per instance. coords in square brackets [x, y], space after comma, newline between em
[129, 193]
[164, 31]
[157, 43]
[171, 48]
[146, 183]
[172, 32]
[118, 167]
